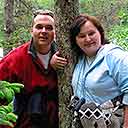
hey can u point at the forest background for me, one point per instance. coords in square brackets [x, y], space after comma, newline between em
[112, 13]
[16, 16]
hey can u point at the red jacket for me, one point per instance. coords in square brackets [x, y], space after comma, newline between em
[23, 66]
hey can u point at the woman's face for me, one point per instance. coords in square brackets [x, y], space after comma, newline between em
[89, 39]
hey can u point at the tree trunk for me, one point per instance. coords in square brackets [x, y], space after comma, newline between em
[9, 17]
[65, 10]
[9, 24]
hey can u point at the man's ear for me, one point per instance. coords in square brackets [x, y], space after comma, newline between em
[31, 31]
[54, 35]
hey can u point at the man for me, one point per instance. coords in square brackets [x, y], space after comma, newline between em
[37, 104]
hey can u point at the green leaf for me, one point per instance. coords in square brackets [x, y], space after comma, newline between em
[6, 123]
[11, 117]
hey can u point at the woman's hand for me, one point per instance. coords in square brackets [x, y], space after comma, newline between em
[58, 62]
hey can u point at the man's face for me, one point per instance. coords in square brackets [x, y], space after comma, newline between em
[43, 31]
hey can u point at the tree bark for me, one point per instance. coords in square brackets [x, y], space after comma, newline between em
[9, 4]
[65, 10]
[9, 21]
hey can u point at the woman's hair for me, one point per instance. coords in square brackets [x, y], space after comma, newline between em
[75, 29]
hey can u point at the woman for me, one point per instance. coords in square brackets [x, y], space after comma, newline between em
[101, 70]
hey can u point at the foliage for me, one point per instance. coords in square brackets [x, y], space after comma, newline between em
[110, 13]
[1, 23]
[106, 11]
[113, 14]
[7, 117]
[123, 15]
[119, 35]
[43, 4]
[7, 92]
[19, 36]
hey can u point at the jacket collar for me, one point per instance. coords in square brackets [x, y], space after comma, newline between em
[102, 53]
[32, 50]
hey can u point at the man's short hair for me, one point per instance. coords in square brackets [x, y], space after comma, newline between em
[43, 12]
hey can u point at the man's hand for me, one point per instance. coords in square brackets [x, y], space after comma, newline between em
[58, 62]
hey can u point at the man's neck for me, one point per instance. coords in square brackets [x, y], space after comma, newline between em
[43, 50]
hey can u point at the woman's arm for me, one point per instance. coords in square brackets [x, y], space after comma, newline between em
[125, 125]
